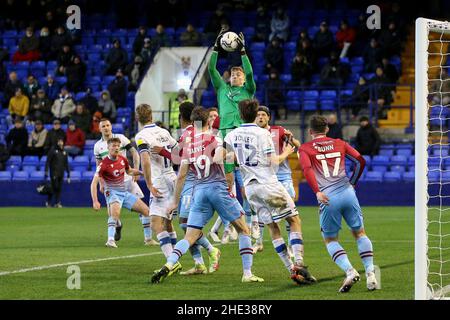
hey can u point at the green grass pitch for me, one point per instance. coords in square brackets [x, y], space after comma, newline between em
[37, 237]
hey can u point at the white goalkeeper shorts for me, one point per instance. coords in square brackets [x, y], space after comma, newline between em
[271, 202]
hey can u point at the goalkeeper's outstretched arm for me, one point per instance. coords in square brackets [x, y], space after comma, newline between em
[216, 78]
[246, 65]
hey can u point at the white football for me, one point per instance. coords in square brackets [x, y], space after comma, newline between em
[228, 41]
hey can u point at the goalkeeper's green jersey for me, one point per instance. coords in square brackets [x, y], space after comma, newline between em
[228, 97]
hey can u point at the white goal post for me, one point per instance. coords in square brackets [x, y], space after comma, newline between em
[432, 209]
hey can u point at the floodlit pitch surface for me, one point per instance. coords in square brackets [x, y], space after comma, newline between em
[37, 245]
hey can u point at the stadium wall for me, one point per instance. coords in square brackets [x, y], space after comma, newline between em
[77, 194]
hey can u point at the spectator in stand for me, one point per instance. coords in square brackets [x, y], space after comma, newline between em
[382, 93]
[360, 97]
[94, 131]
[134, 72]
[60, 39]
[28, 47]
[53, 135]
[75, 139]
[76, 75]
[57, 163]
[334, 73]
[307, 50]
[12, 85]
[50, 21]
[301, 71]
[146, 52]
[190, 37]
[82, 118]
[2, 78]
[262, 24]
[45, 44]
[31, 87]
[36, 140]
[302, 36]
[275, 92]
[65, 59]
[17, 139]
[335, 131]
[41, 108]
[117, 58]
[345, 37]
[19, 106]
[279, 25]
[161, 39]
[63, 106]
[107, 106]
[118, 89]
[138, 42]
[389, 70]
[214, 23]
[274, 56]
[174, 115]
[323, 40]
[367, 138]
[89, 101]
[390, 40]
[4, 55]
[372, 56]
[51, 88]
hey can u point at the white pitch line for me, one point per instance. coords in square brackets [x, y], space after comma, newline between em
[5, 273]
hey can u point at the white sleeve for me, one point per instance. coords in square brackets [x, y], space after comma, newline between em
[125, 140]
[142, 144]
[267, 144]
[97, 152]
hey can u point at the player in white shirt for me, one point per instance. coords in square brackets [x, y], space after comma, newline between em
[254, 151]
[100, 152]
[159, 177]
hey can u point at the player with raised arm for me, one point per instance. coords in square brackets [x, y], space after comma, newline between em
[111, 171]
[186, 198]
[204, 155]
[323, 163]
[280, 137]
[159, 177]
[254, 150]
[100, 152]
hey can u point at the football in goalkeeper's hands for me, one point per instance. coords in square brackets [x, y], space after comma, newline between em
[228, 41]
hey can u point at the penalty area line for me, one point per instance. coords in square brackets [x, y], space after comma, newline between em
[51, 266]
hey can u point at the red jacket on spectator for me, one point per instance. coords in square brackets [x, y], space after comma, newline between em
[347, 35]
[75, 138]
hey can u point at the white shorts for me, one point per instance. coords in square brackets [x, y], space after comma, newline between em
[133, 187]
[160, 206]
[271, 202]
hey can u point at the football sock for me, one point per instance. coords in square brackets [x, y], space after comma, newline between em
[248, 212]
[180, 248]
[165, 243]
[216, 225]
[204, 242]
[196, 254]
[339, 255]
[111, 228]
[173, 238]
[146, 225]
[246, 252]
[261, 230]
[296, 243]
[280, 248]
[366, 253]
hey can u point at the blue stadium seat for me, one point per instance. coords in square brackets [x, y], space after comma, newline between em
[446, 176]
[404, 152]
[286, 77]
[257, 46]
[310, 105]
[433, 176]
[75, 176]
[357, 61]
[20, 176]
[439, 152]
[327, 105]
[374, 176]
[368, 160]
[90, 143]
[30, 161]
[412, 160]
[381, 169]
[293, 105]
[29, 169]
[12, 168]
[387, 146]
[5, 176]
[386, 152]
[398, 168]
[117, 127]
[409, 176]
[328, 94]
[14, 160]
[37, 176]
[380, 160]
[311, 95]
[392, 176]
[87, 175]
[399, 160]
[81, 160]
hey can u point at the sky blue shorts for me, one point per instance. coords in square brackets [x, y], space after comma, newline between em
[185, 199]
[125, 198]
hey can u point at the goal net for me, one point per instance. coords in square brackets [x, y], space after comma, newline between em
[432, 159]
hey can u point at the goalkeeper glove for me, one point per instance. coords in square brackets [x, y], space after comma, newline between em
[217, 43]
[241, 43]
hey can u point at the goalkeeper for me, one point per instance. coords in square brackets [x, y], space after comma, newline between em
[241, 87]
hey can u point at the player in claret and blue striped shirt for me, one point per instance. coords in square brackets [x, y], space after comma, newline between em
[323, 163]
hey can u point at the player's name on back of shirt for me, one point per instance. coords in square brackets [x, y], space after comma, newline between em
[246, 138]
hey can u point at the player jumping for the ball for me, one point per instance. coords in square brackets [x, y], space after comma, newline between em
[323, 163]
